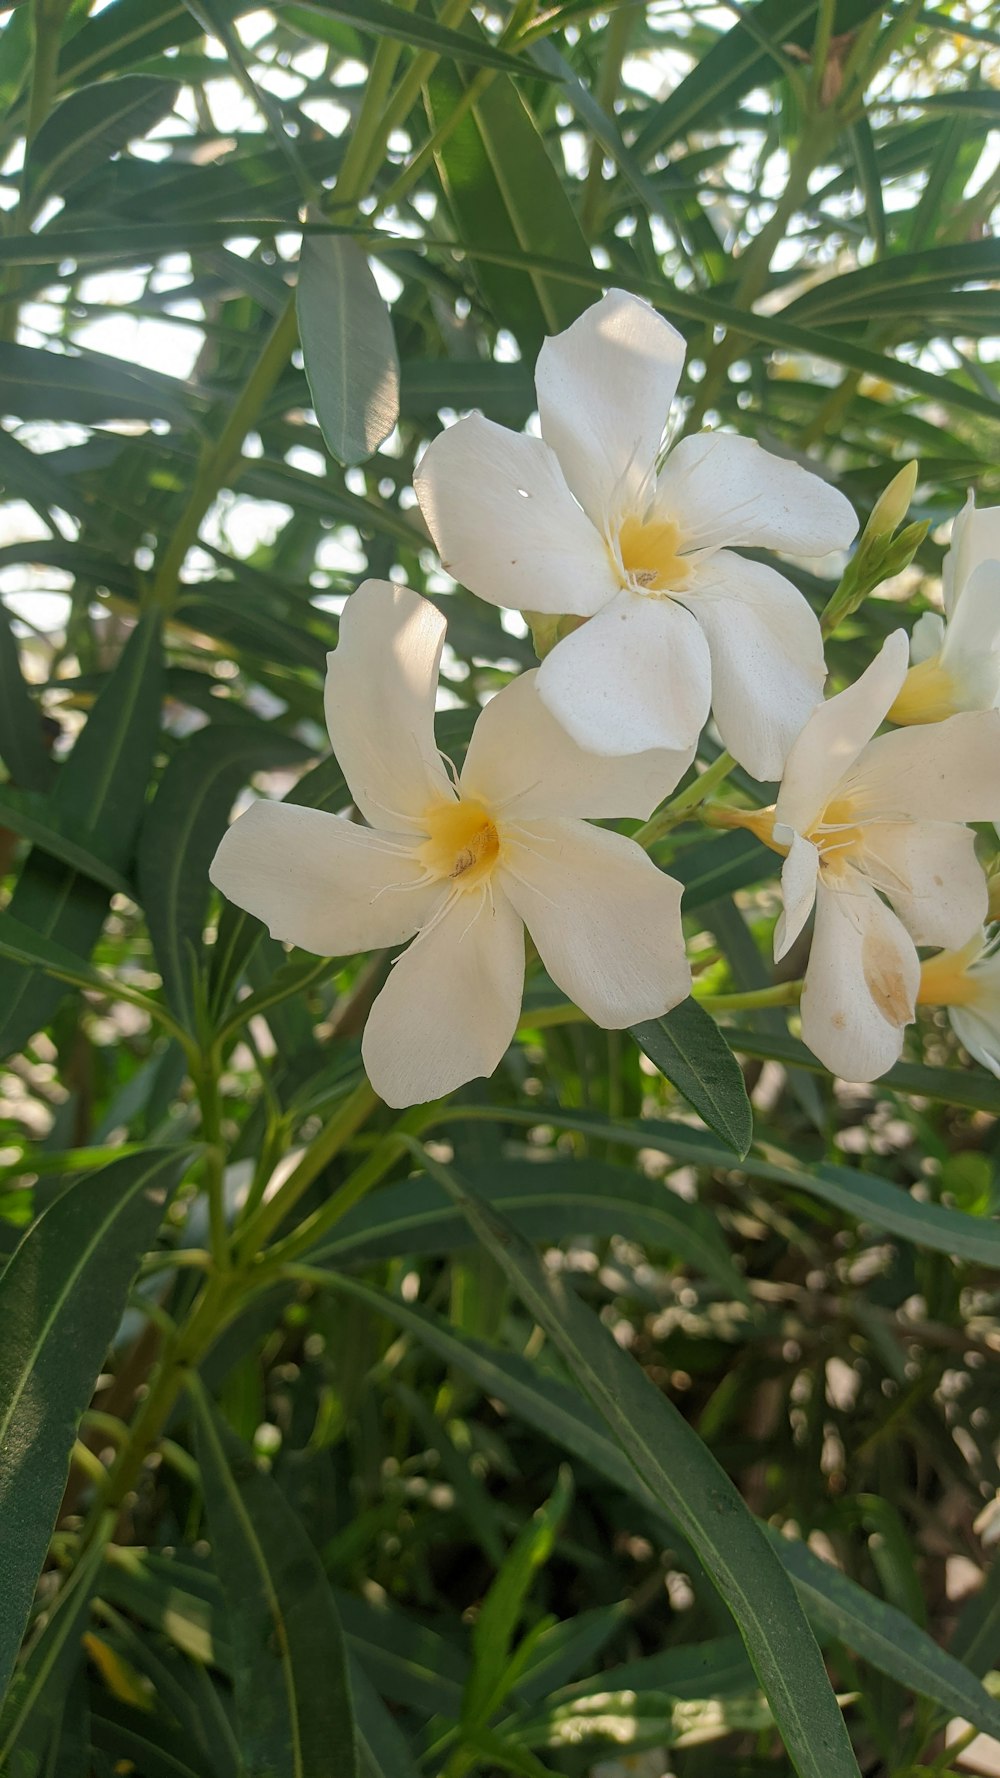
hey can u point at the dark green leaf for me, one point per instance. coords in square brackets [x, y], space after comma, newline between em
[697, 1493]
[61, 1297]
[91, 125]
[290, 1672]
[35, 1699]
[687, 1046]
[387, 20]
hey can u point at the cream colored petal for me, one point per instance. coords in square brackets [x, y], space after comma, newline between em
[606, 922]
[381, 686]
[975, 538]
[941, 771]
[798, 890]
[635, 678]
[450, 1007]
[861, 981]
[768, 668]
[927, 637]
[322, 882]
[724, 490]
[971, 647]
[522, 761]
[506, 525]
[836, 734]
[930, 873]
[605, 387]
[978, 1030]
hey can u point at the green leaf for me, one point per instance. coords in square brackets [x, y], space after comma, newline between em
[181, 830]
[687, 1046]
[348, 347]
[500, 1612]
[35, 1699]
[386, 20]
[22, 749]
[61, 1298]
[551, 1200]
[86, 386]
[101, 789]
[30, 815]
[290, 1672]
[969, 1087]
[884, 1636]
[505, 193]
[381, 1745]
[694, 1490]
[94, 123]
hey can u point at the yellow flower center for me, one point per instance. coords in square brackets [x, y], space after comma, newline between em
[945, 981]
[462, 845]
[837, 835]
[928, 694]
[651, 554]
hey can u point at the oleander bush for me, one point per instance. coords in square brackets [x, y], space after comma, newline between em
[407, 1369]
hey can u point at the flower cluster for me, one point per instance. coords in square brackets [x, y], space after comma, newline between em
[627, 560]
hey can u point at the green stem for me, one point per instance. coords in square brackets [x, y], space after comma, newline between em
[345, 1121]
[684, 805]
[357, 1184]
[206, 1080]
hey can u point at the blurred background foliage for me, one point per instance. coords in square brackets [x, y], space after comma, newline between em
[806, 191]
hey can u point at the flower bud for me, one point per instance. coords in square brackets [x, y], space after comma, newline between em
[893, 503]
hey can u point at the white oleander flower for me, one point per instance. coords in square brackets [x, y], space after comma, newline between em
[956, 658]
[864, 818]
[579, 522]
[967, 982]
[461, 864]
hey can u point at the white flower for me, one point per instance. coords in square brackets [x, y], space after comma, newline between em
[967, 982]
[463, 865]
[957, 662]
[578, 521]
[862, 816]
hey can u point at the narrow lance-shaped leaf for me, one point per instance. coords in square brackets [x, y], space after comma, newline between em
[696, 1492]
[348, 347]
[878, 1632]
[687, 1046]
[61, 1297]
[290, 1674]
[35, 1701]
[101, 789]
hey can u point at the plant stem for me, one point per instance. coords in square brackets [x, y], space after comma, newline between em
[609, 81]
[680, 807]
[339, 1128]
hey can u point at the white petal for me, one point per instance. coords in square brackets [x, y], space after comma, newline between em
[605, 387]
[606, 922]
[522, 760]
[322, 882]
[722, 489]
[767, 658]
[836, 734]
[636, 677]
[927, 637]
[941, 771]
[979, 1034]
[381, 685]
[930, 872]
[971, 648]
[798, 890]
[975, 538]
[861, 981]
[506, 525]
[450, 1007]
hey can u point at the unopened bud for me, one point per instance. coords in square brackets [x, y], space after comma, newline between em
[893, 503]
